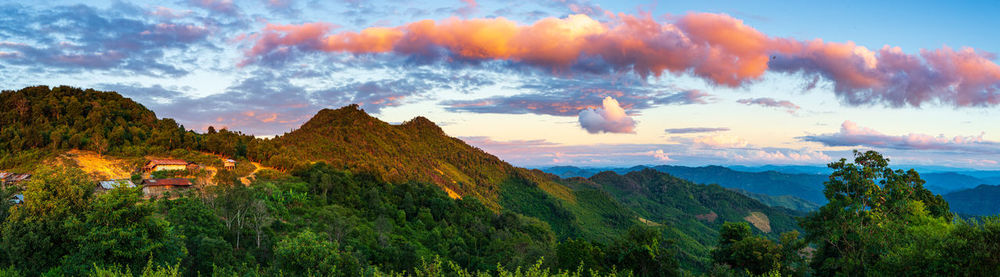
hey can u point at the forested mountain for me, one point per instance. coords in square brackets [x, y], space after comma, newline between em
[799, 191]
[416, 150]
[692, 213]
[979, 201]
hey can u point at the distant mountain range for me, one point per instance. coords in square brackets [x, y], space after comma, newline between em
[978, 201]
[794, 187]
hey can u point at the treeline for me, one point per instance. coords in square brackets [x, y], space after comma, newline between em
[320, 221]
[42, 119]
[878, 222]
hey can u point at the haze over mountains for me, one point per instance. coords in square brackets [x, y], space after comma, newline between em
[793, 187]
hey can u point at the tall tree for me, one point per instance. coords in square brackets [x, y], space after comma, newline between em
[871, 206]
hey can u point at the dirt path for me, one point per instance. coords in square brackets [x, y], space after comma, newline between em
[253, 175]
[102, 166]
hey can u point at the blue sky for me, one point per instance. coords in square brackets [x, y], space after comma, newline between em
[619, 83]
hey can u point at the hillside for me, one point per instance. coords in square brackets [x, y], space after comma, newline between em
[417, 150]
[979, 201]
[692, 213]
[798, 191]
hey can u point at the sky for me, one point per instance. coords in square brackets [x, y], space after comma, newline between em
[544, 83]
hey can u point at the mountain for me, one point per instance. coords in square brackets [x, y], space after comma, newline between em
[692, 213]
[805, 186]
[791, 169]
[808, 187]
[784, 201]
[417, 150]
[40, 121]
[980, 201]
[798, 191]
[945, 182]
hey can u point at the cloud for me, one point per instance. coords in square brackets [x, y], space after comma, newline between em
[218, 6]
[546, 153]
[76, 38]
[611, 118]
[579, 7]
[851, 134]
[570, 103]
[720, 141]
[714, 47]
[470, 7]
[692, 130]
[286, 7]
[565, 97]
[268, 102]
[770, 102]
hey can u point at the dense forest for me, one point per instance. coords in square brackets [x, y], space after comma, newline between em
[354, 196]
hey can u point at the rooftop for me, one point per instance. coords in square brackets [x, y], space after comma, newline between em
[167, 182]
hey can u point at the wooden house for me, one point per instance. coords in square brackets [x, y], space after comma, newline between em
[229, 164]
[12, 179]
[164, 164]
[158, 187]
[112, 184]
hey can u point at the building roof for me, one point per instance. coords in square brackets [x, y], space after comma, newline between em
[18, 199]
[166, 182]
[230, 161]
[14, 177]
[110, 184]
[155, 162]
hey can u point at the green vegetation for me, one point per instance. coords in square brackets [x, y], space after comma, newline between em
[359, 197]
[319, 221]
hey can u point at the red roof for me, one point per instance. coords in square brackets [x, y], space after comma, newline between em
[167, 182]
[156, 162]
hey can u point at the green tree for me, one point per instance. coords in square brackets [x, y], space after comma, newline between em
[645, 252]
[39, 232]
[870, 212]
[119, 230]
[204, 235]
[741, 250]
[307, 253]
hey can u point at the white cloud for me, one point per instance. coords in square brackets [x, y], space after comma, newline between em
[611, 118]
[720, 141]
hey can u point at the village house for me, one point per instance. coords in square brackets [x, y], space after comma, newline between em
[18, 199]
[229, 164]
[159, 187]
[11, 179]
[165, 164]
[104, 186]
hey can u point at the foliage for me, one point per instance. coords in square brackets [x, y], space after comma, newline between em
[739, 249]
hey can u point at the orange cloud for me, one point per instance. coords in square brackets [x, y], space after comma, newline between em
[716, 47]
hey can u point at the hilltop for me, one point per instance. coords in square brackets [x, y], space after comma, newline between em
[417, 150]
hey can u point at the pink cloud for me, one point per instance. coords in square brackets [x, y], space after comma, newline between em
[470, 7]
[771, 102]
[851, 134]
[715, 47]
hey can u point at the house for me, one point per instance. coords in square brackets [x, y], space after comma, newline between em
[191, 166]
[18, 199]
[112, 184]
[229, 164]
[158, 187]
[10, 179]
[164, 164]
